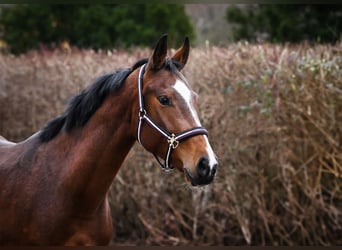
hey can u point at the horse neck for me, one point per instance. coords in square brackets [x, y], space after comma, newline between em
[99, 148]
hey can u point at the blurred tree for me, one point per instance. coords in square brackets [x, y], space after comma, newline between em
[281, 23]
[24, 27]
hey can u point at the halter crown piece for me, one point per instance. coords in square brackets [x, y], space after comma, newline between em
[172, 139]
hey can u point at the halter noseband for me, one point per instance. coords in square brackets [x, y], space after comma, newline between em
[173, 140]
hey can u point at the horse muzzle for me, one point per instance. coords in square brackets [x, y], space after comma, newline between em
[204, 175]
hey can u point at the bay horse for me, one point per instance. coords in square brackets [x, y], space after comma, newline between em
[54, 185]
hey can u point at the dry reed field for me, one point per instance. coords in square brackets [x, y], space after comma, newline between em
[274, 115]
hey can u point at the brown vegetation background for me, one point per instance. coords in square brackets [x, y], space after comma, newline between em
[274, 115]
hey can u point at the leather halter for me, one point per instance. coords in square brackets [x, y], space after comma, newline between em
[172, 139]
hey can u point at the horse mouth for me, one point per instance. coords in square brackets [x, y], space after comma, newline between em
[197, 181]
[189, 177]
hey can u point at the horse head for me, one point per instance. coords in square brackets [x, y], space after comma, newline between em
[169, 126]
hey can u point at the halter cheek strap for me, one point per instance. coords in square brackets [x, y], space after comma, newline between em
[172, 139]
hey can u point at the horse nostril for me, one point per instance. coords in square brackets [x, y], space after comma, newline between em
[213, 171]
[203, 168]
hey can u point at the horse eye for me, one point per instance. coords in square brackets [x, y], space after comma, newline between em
[164, 100]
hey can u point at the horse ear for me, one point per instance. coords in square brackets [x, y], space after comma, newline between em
[157, 59]
[182, 54]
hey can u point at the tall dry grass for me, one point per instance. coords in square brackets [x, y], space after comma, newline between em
[274, 114]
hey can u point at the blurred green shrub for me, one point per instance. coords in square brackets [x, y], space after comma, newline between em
[24, 27]
[286, 23]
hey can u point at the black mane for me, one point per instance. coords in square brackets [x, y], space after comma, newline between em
[83, 105]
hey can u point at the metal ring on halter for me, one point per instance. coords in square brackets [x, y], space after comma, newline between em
[173, 140]
[142, 113]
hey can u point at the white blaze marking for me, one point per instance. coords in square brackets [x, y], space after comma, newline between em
[211, 154]
[184, 91]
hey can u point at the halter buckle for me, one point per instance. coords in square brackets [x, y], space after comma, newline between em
[172, 141]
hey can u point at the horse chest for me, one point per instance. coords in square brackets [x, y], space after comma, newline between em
[94, 230]
[51, 225]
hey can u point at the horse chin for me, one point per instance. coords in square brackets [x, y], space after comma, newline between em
[176, 164]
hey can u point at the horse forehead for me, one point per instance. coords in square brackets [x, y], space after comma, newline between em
[163, 79]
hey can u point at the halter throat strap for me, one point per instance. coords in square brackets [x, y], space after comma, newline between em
[172, 139]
